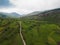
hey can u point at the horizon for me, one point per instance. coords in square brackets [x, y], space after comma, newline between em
[26, 7]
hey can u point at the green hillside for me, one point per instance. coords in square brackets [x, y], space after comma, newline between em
[42, 28]
[9, 32]
[37, 28]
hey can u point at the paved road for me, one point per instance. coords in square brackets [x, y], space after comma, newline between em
[24, 43]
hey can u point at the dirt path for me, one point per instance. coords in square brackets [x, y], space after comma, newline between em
[24, 43]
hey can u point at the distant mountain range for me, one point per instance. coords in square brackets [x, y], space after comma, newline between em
[49, 15]
[10, 15]
[14, 14]
[37, 15]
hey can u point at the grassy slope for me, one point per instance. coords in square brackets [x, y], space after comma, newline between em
[37, 30]
[42, 29]
[9, 32]
[40, 33]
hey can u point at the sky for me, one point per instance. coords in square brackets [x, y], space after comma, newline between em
[27, 6]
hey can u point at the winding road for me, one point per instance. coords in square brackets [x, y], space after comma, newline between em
[24, 43]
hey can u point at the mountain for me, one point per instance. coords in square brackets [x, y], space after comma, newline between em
[34, 13]
[11, 15]
[16, 15]
[49, 15]
[44, 27]
[2, 15]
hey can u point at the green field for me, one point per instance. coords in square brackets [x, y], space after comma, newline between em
[34, 32]
[40, 29]
[9, 32]
[40, 32]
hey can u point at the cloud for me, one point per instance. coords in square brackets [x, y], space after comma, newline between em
[17, 10]
[5, 3]
[27, 6]
[36, 4]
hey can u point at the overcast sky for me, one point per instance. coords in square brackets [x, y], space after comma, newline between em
[28, 6]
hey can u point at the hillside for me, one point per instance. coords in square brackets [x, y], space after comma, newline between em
[42, 28]
[9, 32]
[9, 15]
[46, 15]
[37, 28]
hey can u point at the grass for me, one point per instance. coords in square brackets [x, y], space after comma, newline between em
[35, 32]
[9, 32]
[40, 32]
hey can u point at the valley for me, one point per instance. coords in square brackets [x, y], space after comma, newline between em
[33, 29]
